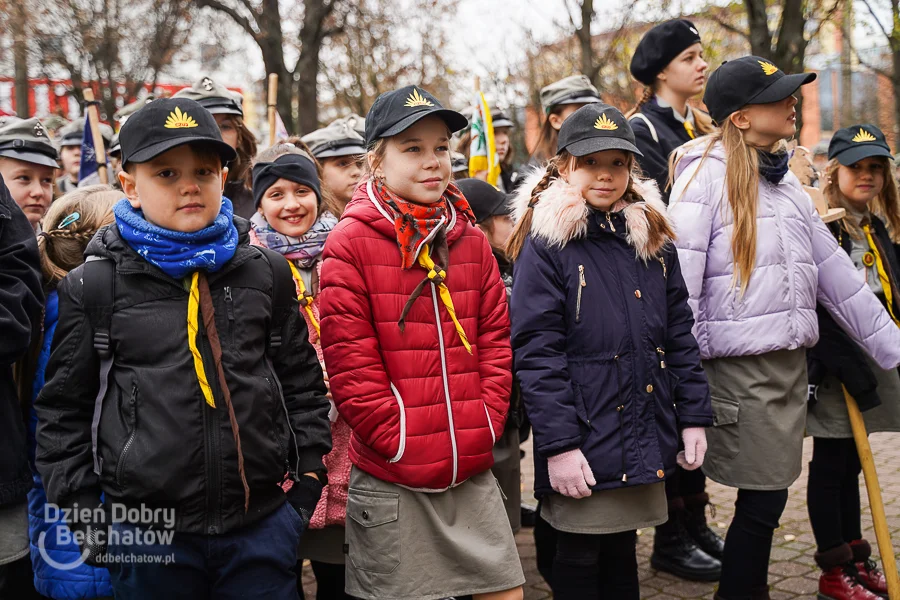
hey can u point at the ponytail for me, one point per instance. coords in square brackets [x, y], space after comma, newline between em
[649, 92]
[523, 225]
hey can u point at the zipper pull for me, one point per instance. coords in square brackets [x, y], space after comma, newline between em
[229, 303]
[581, 279]
[611, 226]
[665, 271]
[662, 358]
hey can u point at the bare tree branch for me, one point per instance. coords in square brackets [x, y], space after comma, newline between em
[877, 20]
[237, 17]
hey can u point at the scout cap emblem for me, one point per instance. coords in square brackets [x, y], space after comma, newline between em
[604, 124]
[207, 84]
[180, 120]
[767, 67]
[416, 99]
[863, 136]
[39, 130]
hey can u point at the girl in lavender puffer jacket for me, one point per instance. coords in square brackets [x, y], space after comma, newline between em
[756, 258]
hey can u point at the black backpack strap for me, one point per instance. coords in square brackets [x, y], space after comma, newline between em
[98, 297]
[284, 294]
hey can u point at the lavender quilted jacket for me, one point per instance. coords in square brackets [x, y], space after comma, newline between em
[798, 262]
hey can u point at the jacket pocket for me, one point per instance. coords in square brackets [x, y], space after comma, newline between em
[489, 424]
[277, 432]
[724, 437]
[129, 441]
[373, 530]
[401, 447]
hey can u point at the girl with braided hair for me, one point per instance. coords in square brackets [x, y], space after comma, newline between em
[669, 62]
[69, 225]
[601, 332]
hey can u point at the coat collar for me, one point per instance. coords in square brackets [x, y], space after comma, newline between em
[561, 215]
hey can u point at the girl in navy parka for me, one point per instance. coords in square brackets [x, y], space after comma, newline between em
[610, 371]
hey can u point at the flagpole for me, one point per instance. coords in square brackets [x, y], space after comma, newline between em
[272, 102]
[99, 150]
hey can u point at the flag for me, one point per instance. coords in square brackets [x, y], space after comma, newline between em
[482, 149]
[281, 132]
[88, 170]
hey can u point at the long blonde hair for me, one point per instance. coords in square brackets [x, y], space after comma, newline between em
[62, 249]
[886, 205]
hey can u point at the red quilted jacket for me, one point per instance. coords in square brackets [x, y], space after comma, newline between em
[424, 412]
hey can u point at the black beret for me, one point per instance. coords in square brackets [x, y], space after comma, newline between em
[660, 46]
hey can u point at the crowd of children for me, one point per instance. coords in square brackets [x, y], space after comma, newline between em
[331, 349]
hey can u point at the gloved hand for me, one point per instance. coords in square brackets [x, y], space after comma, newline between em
[303, 496]
[570, 474]
[90, 535]
[691, 457]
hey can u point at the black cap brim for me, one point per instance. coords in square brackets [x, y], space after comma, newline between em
[503, 123]
[598, 144]
[454, 120]
[782, 88]
[225, 152]
[224, 110]
[853, 155]
[36, 158]
[578, 100]
[342, 151]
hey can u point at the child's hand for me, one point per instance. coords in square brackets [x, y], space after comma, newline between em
[694, 451]
[570, 474]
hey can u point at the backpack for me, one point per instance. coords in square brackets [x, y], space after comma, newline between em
[99, 297]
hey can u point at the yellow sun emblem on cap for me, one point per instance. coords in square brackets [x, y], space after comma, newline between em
[604, 124]
[180, 120]
[863, 136]
[767, 67]
[416, 99]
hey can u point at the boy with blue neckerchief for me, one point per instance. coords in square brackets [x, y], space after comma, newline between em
[200, 394]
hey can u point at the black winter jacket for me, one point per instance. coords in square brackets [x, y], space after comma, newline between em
[21, 301]
[835, 353]
[159, 442]
[669, 131]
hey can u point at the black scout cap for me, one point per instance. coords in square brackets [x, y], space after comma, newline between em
[27, 140]
[486, 200]
[660, 46]
[166, 123]
[852, 144]
[596, 127]
[398, 110]
[748, 80]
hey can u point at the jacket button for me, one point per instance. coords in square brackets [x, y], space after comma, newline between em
[365, 515]
[649, 389]
[660, 473]
[637, 294]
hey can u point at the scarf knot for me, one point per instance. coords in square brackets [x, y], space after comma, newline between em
[179, 253]
[304, 250]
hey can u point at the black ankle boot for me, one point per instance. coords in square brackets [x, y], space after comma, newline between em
[695, 523]
[676, 552]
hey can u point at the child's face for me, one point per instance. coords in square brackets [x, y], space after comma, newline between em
[30, 185]
[686, 74]
[557, 119]
[180, 190]
[228, 130]
[861, 182]
[416, 164]
[290, 208]
[766, 124]
[341, 175]
[501, 140]
[602, 177]
[498, 230]
[70, 156]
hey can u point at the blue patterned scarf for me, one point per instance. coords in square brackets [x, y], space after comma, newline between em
[175, 252]
[305, 250]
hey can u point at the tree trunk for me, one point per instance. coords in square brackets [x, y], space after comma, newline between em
[760, 36]
[19, 26]
[271, 41]
[583, 34]
[306, 72]
[847, 114]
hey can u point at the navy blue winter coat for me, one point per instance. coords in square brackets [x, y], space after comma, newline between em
[601, 332]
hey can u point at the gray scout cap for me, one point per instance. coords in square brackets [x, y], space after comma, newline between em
[71, 134]
[500, 120]
[341, 138]
[576, 89]
[27, 140]
[126, 111]
[8, 119]
[458, 162]
[215, 98]
[115, 147]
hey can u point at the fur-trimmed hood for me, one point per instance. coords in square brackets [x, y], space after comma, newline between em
[561, 214]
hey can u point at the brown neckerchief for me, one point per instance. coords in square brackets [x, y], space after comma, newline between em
[209, 323]
[440, 254]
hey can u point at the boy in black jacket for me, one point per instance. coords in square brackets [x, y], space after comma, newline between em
[188, 399]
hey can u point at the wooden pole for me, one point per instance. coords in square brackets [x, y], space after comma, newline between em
[876, 504]
[99, 149]
[272, 103]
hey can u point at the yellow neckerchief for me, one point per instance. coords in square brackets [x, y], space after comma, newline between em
[882, 272]
[305, 298]
[193, 314]
[438, 277]
[689, 128]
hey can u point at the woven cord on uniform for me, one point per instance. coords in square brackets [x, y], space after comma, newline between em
[304, 297]
[689, 128]
[193, 314]
[436, 275]
[882, 272]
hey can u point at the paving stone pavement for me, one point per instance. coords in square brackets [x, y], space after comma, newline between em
[792, 570]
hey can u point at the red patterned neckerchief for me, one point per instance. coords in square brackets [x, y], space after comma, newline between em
[414, 223]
